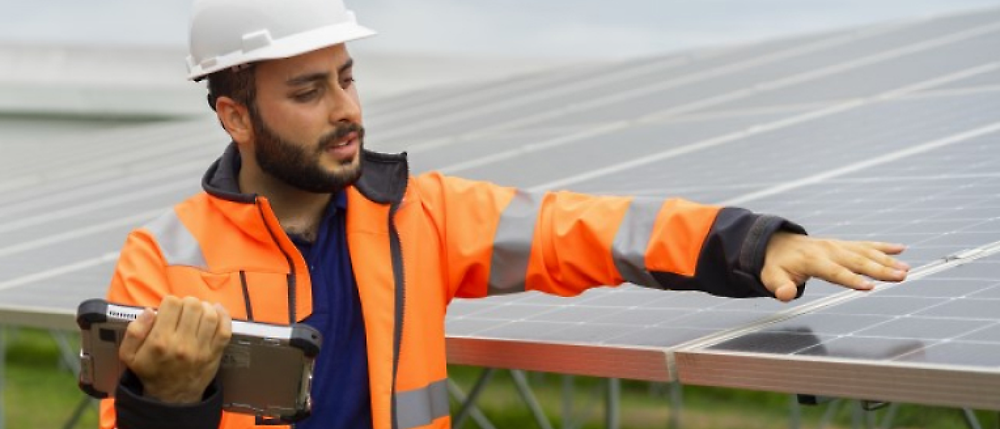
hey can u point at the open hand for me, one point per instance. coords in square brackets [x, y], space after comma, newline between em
[792, 259]
[176, 351]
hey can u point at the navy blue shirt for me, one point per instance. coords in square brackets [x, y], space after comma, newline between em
[340, 391]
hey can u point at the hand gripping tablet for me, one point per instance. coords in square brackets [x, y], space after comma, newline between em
[266, 369]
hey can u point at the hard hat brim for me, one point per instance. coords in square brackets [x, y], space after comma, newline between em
[268, 49]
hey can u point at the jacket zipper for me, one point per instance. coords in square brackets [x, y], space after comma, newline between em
[246, 295]
[398, 273]
[291, 266]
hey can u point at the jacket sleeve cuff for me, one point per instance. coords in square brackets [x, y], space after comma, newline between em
[754, 249]
[134, 411]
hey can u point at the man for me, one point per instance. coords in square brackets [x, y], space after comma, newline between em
[299, 224]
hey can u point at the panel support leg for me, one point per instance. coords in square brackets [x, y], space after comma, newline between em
[3, 373]
[69, 357]
[78, 412]
[521, 382]
[676, 404]
[795, 414]
[889, 419]
[970, 419]
[567, 402]
[468, 403]
[830, 413]
[857, 414]
[612, 403]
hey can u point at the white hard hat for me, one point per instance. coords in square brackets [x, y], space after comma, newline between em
[229, 33]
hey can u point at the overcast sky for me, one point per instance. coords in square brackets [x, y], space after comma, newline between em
[570, 29]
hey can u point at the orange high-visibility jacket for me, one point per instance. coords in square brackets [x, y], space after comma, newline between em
[417, 242]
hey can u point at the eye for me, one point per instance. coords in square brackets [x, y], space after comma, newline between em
[347, 82]
[306, 96]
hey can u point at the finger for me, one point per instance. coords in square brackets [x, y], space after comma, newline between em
[836, 273]
[888, 248]
[190, 317]
[135, 336]
[860, 263]
[879, 252]
[224, 329]
[780, 283]
[887, 261]
[786, 292]
[208, 324]
[167, 315]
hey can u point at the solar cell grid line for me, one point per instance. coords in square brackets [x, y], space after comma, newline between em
[122, 146]
[201, 150]
[583, 78]
[495, 162]
[859, 82]
[27, 271]
[75, 218]
[432, 101]
[934, 339]
[822, 129]
[988, 81]
[63, 152]
[641, 103]
[75, 210]
[111, 182]
[954, 92]
[102, 164]
[831, 150]
[62, 292]
[59, 194]
[113, 225]
[708, 89]
[540, 107]
[393, 107]
[493, 157]
[416, 102]
[884, 159]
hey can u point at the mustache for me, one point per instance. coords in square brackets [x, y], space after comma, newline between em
[339, 133]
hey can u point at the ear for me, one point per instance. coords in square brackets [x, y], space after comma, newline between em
[235, 118]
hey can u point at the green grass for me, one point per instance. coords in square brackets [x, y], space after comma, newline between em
[648, 406]
[40, 393]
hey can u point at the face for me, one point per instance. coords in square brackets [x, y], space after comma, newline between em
[307, 124]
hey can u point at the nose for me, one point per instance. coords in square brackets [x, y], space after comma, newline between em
[345, 106]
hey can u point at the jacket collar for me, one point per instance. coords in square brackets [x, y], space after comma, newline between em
[383, 179]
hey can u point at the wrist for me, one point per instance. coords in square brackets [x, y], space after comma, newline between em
[173, 396]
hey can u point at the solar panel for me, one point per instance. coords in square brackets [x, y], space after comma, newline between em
[883, 132]
[941, 331]
[704, 84]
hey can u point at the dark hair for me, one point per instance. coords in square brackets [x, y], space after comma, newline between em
[237, 84]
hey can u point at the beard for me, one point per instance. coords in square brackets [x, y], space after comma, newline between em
[300, 166]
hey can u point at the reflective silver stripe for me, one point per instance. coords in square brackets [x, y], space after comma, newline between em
[420, 407]
[629, 248]
[179, 247]
[512, 244]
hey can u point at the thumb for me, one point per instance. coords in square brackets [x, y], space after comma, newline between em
[135, 335]
[780, 283]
